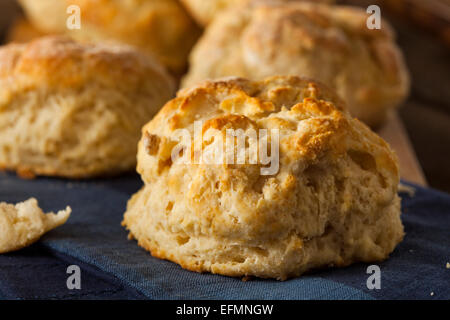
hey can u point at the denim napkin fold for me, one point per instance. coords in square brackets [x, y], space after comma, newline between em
[113, 267]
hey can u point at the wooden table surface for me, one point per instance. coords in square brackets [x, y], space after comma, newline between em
[425, 116]
[395, 134]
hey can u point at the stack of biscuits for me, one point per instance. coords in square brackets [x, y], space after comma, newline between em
[304, 82]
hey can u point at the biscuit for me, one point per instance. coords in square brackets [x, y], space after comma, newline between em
[205, 11]
[331, 44]
[159, 27]
[48, 16]
[332, 202]
[75, 110]
[24, 223]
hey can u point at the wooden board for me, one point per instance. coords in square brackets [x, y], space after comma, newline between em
[394, 132]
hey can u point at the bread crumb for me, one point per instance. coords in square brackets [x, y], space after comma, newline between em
[432, 293]
[24, 223]
[26, 173]
[410, 191]
[447, 265]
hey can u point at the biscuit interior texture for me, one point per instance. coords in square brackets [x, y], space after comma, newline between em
[331, 44]
[332, 202]
[76, 110]
[24, 223]
[161, 28]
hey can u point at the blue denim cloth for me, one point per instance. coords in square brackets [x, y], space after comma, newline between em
[113, 267]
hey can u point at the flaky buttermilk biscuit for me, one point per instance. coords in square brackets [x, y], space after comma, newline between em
[159, 27]
[333, 201]
[331, 44]
[74, 110]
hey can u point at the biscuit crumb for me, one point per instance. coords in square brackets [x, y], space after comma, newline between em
[410, 191]
[24, 223]
[26, 173]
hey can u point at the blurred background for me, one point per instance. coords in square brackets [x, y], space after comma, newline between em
[423, 33]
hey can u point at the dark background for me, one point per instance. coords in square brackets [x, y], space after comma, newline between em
[426, 47]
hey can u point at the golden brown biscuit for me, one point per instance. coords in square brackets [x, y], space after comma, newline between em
[332, 202]
[48, 16]
[159, 27]
[204, 11]
[74, 110]
[328, 43]
[24, 223]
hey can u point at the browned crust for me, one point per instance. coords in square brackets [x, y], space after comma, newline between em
[62, 62]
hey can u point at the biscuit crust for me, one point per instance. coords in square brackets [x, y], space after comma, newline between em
[75, 110]
[331, 44]
[48, 16]
[332, 202]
